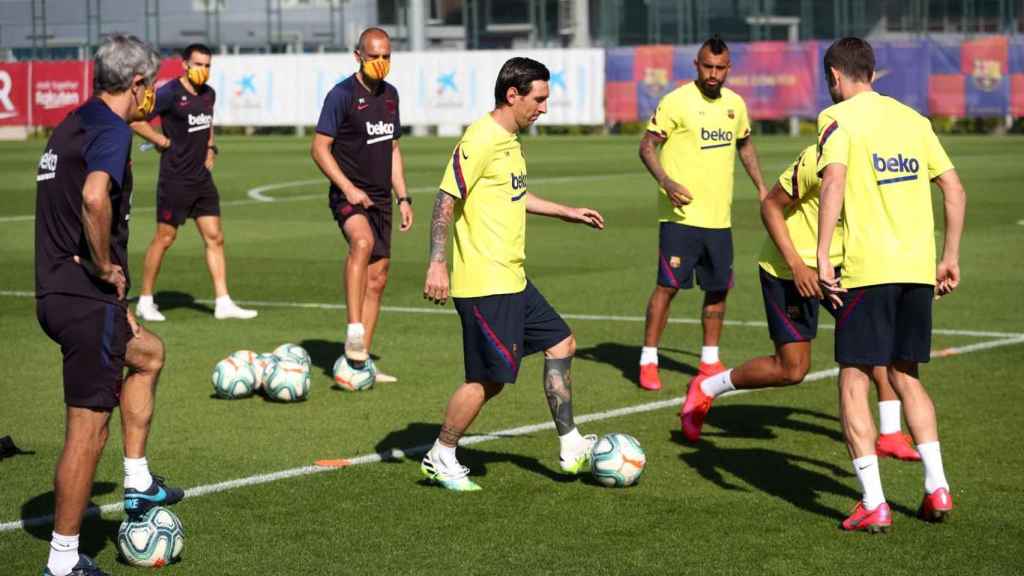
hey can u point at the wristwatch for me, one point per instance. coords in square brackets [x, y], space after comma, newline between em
[405, 199]
[216, 151]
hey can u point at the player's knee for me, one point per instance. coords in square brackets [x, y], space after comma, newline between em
[214, 240]
[152, 353]
[377, 282]
[564, 349]
[793, 372]
[166, 237]
[362, 245]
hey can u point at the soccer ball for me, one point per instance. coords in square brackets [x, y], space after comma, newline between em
[618, 460]
[243, 356]
[286, 380]
[259, 368]
[233, 378]
[155, 539]
[354, 379]
[292, 352]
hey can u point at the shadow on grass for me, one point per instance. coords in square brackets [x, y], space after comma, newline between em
[760, 422]
[171, 300]
[627, 359]
[323, 353]
[417, 437]
[96, 531]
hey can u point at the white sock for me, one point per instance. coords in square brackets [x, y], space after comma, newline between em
[866, 468]
[224, 300]
[145, 300]
[717, 384]
[649, 355]
[889, 417]
[445, 454]
[709, 354]
[934, 475]
[356, 330]
[63, 554]
[570, 442]
[136, 474]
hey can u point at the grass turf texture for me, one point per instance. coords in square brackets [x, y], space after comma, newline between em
[763, 493]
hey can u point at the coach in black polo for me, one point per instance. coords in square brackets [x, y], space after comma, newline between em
[83, 200]
[185, 187]
[356, 147]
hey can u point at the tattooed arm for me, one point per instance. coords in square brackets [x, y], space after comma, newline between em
[436, 287]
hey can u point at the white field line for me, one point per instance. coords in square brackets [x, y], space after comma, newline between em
[376, 457]
[257, 195]
[595, 317]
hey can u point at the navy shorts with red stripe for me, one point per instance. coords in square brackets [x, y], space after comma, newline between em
[880, 324]
[684, 250]
[791, 317]
[378, 216]
[93, 337]
[499, 330]
[179, 201]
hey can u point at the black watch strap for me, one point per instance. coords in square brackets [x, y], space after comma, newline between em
[216, 151]
[405, 199]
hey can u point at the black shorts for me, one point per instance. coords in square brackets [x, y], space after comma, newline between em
[878, 325]
[378, 217]
[179, 201]
[93, 337]
[791, 317]
[498, 331]
[684, 249]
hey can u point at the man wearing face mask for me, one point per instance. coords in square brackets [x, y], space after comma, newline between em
[185, 188]
[700, 127]
[356, 148]
[83, 200]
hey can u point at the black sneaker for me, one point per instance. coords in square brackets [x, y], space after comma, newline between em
[137, 503]
[85, 567]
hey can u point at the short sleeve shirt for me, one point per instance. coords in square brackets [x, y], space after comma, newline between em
[186, 119]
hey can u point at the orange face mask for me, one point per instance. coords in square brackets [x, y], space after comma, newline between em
[377, 68]
[148, 102]
[198, 75]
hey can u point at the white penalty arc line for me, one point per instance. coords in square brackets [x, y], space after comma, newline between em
[585, 317]
[393, 454]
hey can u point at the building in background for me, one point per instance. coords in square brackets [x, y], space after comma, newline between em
[62, 29]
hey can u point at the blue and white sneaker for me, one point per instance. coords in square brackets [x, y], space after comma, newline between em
[137, 503]
[455, 479]
[85, 567]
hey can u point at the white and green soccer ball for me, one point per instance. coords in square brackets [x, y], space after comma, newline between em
[354, 379]
[293, 352]
[617, 460]
[233, 378]
[259, 368]
[286, 380]
[156, 539]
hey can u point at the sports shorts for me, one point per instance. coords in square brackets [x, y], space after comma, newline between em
[93, 337]
[880, 324]
[378, 216]
[179, 201]
[684, 250]
[499, 330]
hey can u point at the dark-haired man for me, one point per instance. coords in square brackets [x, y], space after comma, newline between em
[504, 317]
[877, 158]
[185, 187]
[356, 148]
[83, 202]
[699, 126]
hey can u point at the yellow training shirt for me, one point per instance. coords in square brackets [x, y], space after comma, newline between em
[802, 183]
[891, 155]
[487, 176]
[700, 152]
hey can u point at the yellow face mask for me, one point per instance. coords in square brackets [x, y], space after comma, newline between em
[148, 102]
[198, 75]
[377, 68]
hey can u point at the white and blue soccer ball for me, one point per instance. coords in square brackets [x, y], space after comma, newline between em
[233, 377]
[617, 460]
[293, 352]
[259, 368]
[156, 539]
[286, 380]
[354, 379]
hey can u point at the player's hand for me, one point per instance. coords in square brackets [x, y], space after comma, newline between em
[356, 197]
[830, 286]
[677, 193]
[436, 287]
[806, 281]
[133, 323]
[947, 278]
[112, 274]
[210, 156]
[586, 216]
[406, 211]
[164, 145]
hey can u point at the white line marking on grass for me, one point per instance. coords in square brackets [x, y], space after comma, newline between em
[594, 317]
[376, 457]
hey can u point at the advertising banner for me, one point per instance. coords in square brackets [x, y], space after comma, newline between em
[58, 87]
[14, 94]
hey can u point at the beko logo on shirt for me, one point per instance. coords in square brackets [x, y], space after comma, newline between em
[47, 162]
[718, 135]
[380, 128]
[199, 119]
[518, 181]
[902, 168]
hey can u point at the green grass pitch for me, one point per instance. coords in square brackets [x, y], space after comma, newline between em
[762, 494]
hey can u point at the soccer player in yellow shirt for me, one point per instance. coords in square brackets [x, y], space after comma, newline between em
[504, 317]
[700, 126]
[877, 158]
[789, 284]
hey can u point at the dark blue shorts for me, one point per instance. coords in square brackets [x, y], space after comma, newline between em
[683, 250]
[93, 338]
[791, 317]
[379, 218]
[179, 201]
[499, 330]
[878, 325]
